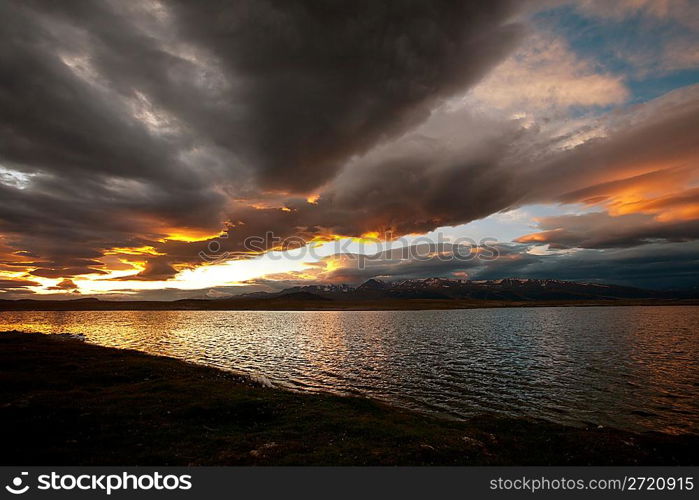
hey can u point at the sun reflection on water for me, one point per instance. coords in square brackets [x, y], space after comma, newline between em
[629, 367]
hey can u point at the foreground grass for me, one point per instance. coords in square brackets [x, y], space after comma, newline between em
[64, 402]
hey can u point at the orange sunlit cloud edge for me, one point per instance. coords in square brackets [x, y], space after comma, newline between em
[536, 123]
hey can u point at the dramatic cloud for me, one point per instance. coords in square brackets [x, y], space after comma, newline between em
[546, 74]
[653, 266]
[7, 284]
[321, 82]
[461, 166]
[142, 141]
[600, 230]
[125, 123]
[66, 284]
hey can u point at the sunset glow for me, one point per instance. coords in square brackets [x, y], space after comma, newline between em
[558, 129]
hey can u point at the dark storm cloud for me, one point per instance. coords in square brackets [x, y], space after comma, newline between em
[323, 81]
[129, 119]
[600, 230]
[655, 266]
[52, 120]
[423, 181]
[303, 85]
[98, 177]
[125, 123]
[413, 184]
[458, 167]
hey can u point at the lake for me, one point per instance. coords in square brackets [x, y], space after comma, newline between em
[635, 368]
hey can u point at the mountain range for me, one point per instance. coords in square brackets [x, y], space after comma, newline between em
[508, 289]
[429, 293]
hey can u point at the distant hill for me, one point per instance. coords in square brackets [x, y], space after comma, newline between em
[429, 293]
[508, 289]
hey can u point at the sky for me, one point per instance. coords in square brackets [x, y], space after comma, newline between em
[166, 150]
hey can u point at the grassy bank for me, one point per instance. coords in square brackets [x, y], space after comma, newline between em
[64, 402]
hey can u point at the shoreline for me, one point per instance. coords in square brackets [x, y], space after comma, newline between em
[321, 305]
[67, 402]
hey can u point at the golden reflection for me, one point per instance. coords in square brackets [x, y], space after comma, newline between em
[628, 367]
[350, 344]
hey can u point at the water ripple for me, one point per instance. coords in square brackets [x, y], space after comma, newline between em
[629, 367]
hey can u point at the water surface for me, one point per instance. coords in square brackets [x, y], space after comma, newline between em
[629, 367]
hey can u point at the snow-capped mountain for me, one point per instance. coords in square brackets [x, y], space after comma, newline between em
[521, 289]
